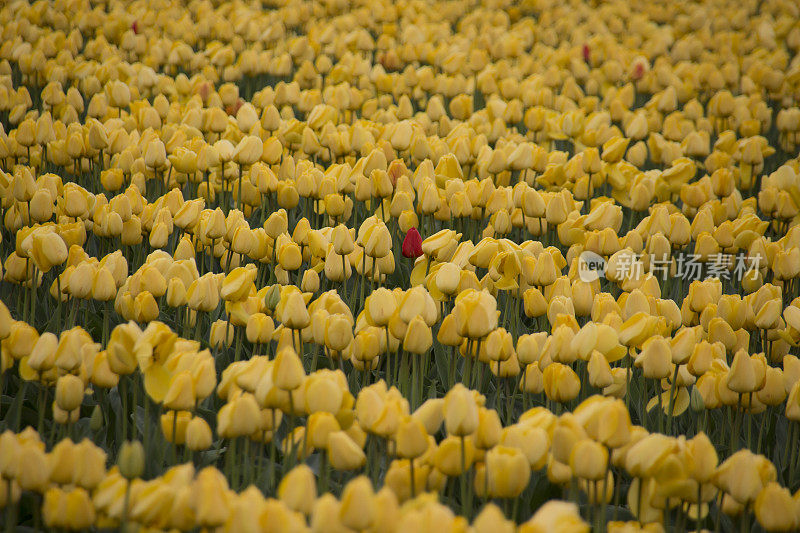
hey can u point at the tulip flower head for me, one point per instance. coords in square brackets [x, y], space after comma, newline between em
[412, 244]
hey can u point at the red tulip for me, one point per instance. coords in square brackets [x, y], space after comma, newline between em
[412, 244]
[135, 26]
[638, 71]
[586, 52]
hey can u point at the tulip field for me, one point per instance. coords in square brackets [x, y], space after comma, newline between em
[456, 265]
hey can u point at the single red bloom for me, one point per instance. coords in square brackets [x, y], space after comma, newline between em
[412, 244]
[638, 71]
[586, 53]
[135, 27]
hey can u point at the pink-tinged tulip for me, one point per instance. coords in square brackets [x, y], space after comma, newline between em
[412, 244]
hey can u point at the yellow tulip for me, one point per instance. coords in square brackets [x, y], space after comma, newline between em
[744, 475]
[198, 434]
[298, 489]
[411, 438]
[555, 516]
[68, 510]
[460, 411]
[508, 472]
[239, 417]
[775, 509]
[588, 460]
[208, 498]
[180, 421]
[561, 383]
[69, 392]
[344, 453]
[358, 506]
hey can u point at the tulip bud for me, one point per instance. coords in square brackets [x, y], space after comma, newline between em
[775, 509]
[68, 510]
[377, 240]
[589, 460]
[319, 427]
[508, 471]
[69, 392]
[600, 375]
[558, 515]
[448, 457]
[418, 338]
[561, 383]
[298, 489]
[310, 281]
[239, 417]
[338, 332]
[344, 453]
[287, 371]
[323, 393]
[173, 425]
[104, 287]
[412, 244]
[742, 377]
[155, 155]
[96, 421]
[411, 438]
[180, 394]
[48, 250]
[131, 459]
[210, 510]
[295, 314]
[489, 429]
[655, 358]
[33, 469]
[41, 208]
[176, 293]
[272, 297]
[533, 379]
[260, 328]
[460, 411]
[358, 507]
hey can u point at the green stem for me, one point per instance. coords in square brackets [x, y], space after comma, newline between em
[670, 416]
[463, 478]
[134, 427]
[323, 473]
[404, 363]
[42, 407]
[761, 431]
[660, 408]
[174, 437]
[737, 423]
[123, 396]
[415, 379]
[272, 452]
[245, 461]
[125, 504]
[413, 488]
[238, 349]
[793, 458]
[239, 192]
[451, 377]
[33, 294]
[229, 458]
[628, 361]
[699, 504]
[18, 413]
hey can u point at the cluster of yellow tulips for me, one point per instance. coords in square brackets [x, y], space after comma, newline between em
[371, 266]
